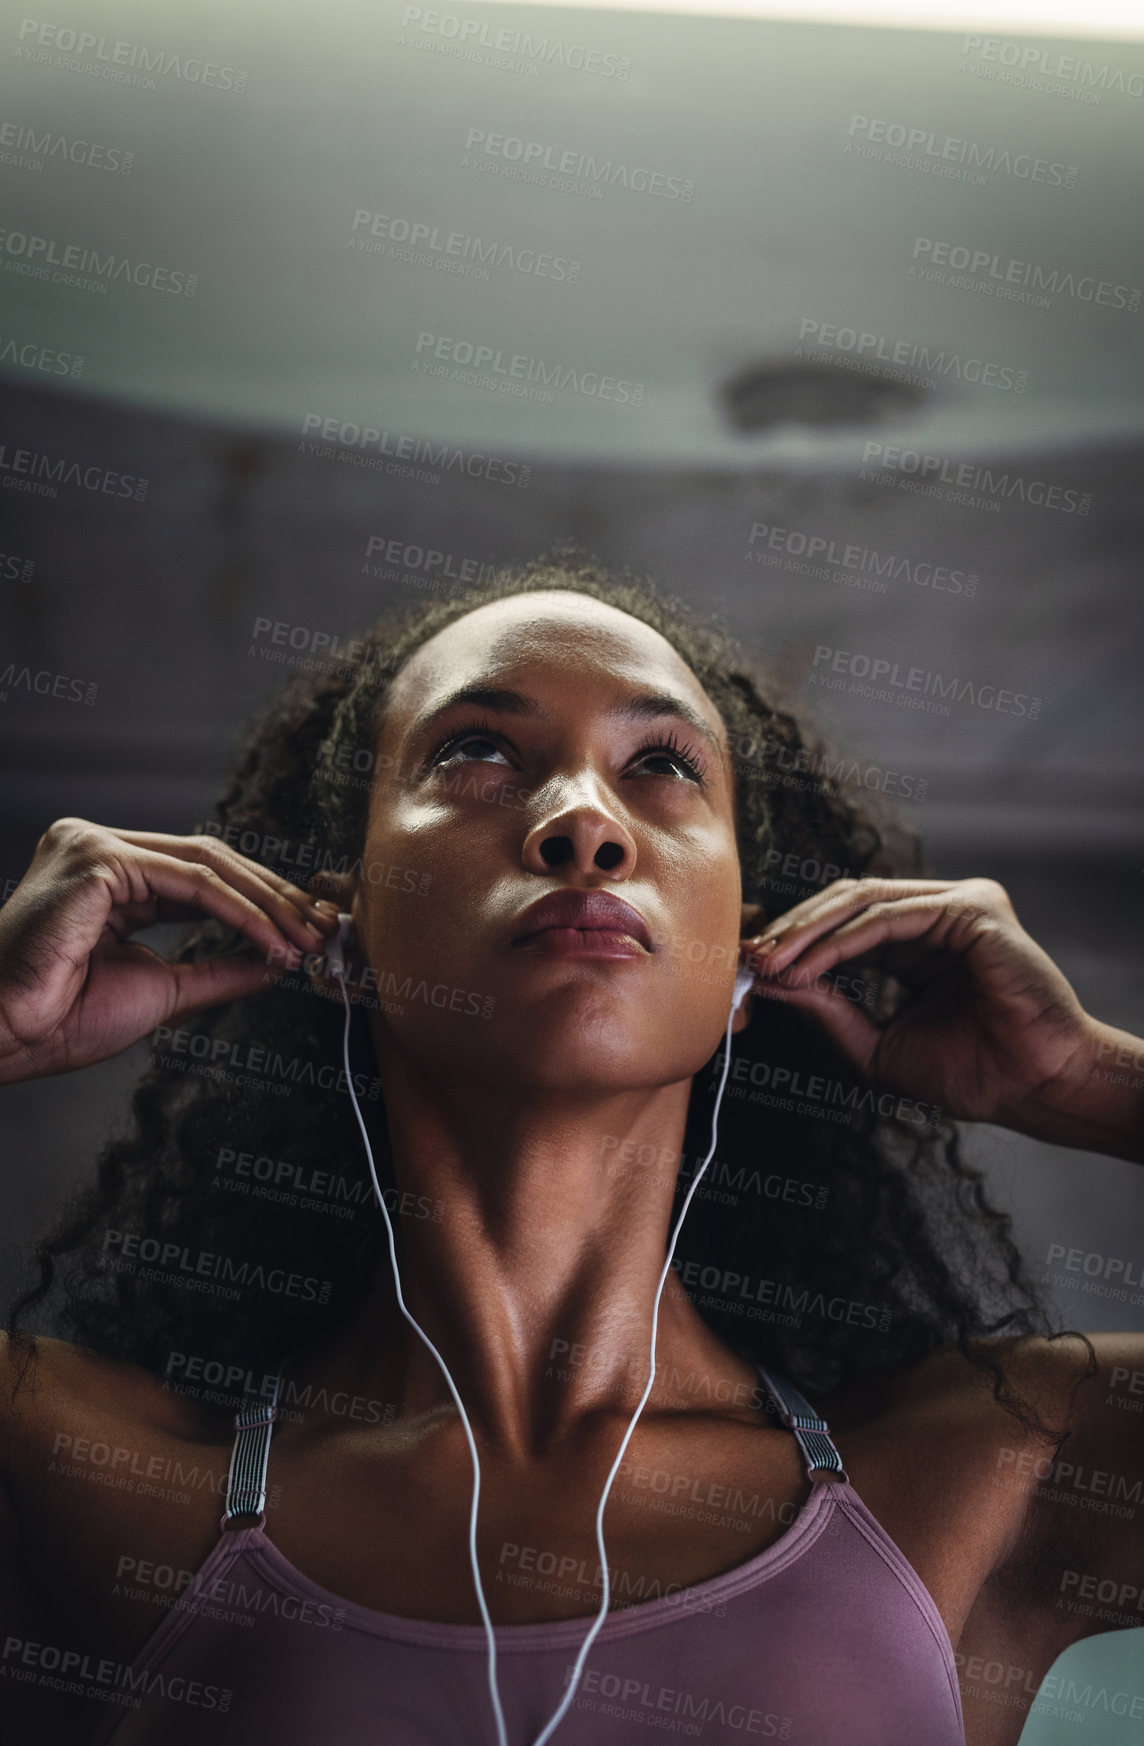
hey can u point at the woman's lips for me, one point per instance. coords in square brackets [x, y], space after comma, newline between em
[583, 924]
[582, 943]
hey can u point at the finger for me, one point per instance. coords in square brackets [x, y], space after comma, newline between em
[270, 894]
[786, 937]
[848, 895]
[205, 891]
[294, 910]
[335, 888]
[951, 926]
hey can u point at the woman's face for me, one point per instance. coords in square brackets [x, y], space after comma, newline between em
[547, 744]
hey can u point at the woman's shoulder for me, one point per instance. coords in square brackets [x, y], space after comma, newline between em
[1047, 1382]
[36, 1368]
[50, 1387]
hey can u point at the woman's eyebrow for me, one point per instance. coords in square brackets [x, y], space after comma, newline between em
[645, 706]
[649, 705]
[475, 697]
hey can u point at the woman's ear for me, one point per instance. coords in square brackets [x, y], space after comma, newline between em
[751, 924]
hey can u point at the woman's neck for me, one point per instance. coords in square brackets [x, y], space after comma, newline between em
[532, 1230]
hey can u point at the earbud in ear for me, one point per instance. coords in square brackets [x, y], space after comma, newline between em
[340, 945]
[744, 982]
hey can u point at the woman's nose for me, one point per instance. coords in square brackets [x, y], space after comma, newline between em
[584, 837]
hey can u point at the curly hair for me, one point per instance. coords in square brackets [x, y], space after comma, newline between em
[862, 1236]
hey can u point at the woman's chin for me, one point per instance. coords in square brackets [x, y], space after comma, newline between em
[558, 1024]
[558, 1054]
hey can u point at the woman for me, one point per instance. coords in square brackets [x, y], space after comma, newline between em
[552, 814]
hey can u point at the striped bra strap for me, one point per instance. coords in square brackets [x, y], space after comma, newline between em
[811, 1431]
[246, 1481]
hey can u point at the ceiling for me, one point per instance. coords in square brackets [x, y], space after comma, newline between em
[790, 234]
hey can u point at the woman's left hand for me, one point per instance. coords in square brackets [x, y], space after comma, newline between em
[989, 1028]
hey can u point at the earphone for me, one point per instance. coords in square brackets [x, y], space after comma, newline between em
[336, 959]
[337, 948]
[744, 982]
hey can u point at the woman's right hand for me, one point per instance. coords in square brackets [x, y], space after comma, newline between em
[75, 988]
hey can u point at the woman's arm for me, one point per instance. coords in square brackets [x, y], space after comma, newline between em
[1079, 1567]
[990, 1030]
[1099, 1106]
[75, 988]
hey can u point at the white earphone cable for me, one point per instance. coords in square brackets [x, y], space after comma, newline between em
[338, 970]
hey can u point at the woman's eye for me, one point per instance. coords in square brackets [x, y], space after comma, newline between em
[478, 747]
[670, 762]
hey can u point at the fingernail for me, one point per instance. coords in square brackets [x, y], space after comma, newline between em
[325, 908]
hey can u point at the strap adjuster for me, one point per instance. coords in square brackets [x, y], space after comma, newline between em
[246, 1480]
[808, 1421]
[251, 1418]
[810, 1429]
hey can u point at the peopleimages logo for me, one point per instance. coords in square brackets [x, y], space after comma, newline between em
[1124, 1271]
[34, 254]
[27, 355]
[939, 154]
[32, 471]
[537, 161]
[121, 61]
[455, 251]
[384, 451]
[234, 1382]
[16, 568]
[47, 684]
[1023, 63]
[865, 560]
[635, 1699]
[929, 474]
[219, 1058]
[452, 33]
[914, 356]
[99, 1677]
[732, 1288]
[1014, 281]
[516, 370]
[142, 1579]
[398, 555]
[916, 685]
[19, 138]
[174, 1260]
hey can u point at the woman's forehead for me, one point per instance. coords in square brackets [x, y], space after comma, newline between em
[556, 631]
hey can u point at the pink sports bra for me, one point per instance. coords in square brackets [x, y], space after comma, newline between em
[825, 1638]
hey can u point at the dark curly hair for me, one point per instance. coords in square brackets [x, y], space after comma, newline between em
[863, 1238]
